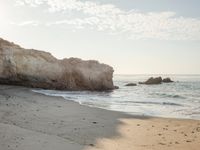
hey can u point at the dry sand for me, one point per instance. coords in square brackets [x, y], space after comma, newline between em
[31, 121]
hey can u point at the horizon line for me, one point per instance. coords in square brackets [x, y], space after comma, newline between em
[157, 74]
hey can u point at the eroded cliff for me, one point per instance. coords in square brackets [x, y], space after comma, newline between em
[38, 69]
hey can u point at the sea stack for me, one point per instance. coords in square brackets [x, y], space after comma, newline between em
[152, 80]
[39, 69]
[157, 80]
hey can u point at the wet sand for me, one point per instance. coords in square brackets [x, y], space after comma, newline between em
[30, 121]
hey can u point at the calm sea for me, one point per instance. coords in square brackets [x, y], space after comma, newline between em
[180, 99]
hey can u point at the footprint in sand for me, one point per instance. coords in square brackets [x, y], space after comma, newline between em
[162, 143]
[198, 129]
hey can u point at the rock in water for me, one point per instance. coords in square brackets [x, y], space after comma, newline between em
[167, 80]
[38, 69]
[152, 80]
[116, 87]
[131, 84]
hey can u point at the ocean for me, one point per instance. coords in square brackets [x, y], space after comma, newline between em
[180, 99]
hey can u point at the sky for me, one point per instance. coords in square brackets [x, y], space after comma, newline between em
[133, 36]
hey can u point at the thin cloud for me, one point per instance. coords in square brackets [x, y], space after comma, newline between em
[109, 18]
[26, 23]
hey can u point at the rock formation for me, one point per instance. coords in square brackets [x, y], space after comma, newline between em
[38, 69]
[167, 80]
[116, 87]
[152, 80]
[131, 84]
[157, 80]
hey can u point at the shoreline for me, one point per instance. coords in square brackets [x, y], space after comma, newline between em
[148, 116]
[30, 121]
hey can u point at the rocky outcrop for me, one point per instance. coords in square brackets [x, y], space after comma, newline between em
[157, 80]
[131, 84]
[116, 87]
[38, 69]
[152, 80]
[167, 80]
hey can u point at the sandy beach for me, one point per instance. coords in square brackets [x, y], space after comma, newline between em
[31, 121]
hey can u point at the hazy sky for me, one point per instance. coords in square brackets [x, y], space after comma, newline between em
[133, 36]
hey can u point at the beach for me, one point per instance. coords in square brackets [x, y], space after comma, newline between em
[30, 121]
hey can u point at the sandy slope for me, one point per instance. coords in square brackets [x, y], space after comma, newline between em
[153, 134]
[30, 121]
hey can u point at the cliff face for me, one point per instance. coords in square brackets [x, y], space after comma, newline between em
[40, 69]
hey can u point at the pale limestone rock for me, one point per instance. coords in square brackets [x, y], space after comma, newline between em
[40, 69]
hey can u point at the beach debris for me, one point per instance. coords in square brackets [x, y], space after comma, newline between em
[91, 145]
[162, 143]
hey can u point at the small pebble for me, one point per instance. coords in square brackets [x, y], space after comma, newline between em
[91, 144]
